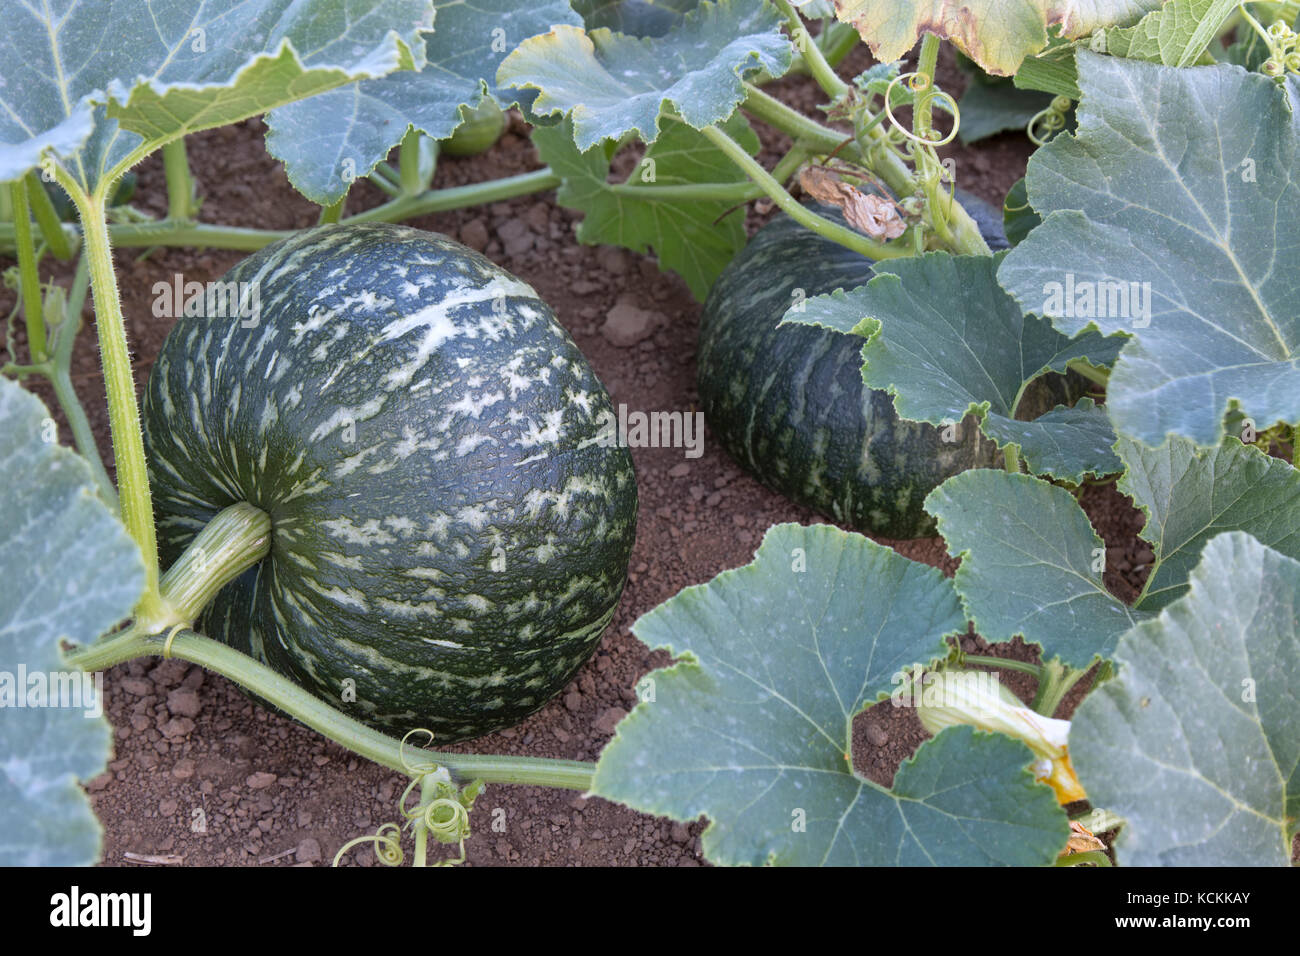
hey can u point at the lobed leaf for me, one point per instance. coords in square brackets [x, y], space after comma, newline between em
[1168, 217]
[1196, 742]
[694, 239]
[330, 139]
[945, 340]
[613, 84]
[93, 79]
[68, 571]
[996, 35]
[752, 725]
[1031, 564]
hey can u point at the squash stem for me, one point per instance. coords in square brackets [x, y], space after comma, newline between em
[208, 236]
[320, 716]
[231, 543]
[47, 218]
[409, 164]
[801, 214]
[1024, 667]
[813, 58]
[29, 279]
[180, 184]
[119, 381]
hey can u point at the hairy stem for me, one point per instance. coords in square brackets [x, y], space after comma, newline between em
[804, 216]
[203, 235]
[320, 716]
[813, 57]
[119, 381]
[29, 279]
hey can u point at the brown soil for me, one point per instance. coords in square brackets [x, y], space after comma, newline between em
[191, 750]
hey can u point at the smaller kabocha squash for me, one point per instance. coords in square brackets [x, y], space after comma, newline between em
[449, 535]
[788, 402]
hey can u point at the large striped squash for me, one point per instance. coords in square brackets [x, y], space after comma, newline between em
[788, 402]
[450, 535]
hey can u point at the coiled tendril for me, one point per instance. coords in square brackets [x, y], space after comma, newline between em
[442, 812]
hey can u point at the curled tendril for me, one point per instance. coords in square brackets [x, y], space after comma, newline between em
[919, 83]
[415, 770]
[1048, 122]
[387, 844]
[443, 811]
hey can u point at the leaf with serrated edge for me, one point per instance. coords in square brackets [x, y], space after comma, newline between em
[1190, 494]
[612, 84]
[1196, 743]
[346, 132]
[686, 237]
[1155, 188]
[753, 724]
[1174, 35]
[68, 571]
[1066, 443]
[1027, 553]
[90, 79]
[994, 34]
[945, 340]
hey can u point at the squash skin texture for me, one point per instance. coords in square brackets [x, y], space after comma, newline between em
[448, 532]
[788, 403]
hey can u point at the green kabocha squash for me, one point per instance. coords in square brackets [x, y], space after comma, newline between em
[449, 531]
[788, 403]
[479, 131]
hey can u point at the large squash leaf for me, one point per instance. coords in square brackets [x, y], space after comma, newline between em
[1170, 217]
[330, 139]
[1197, 742]
[945, 340]
[687, 238]
[996, 35]
[752, 725]
[613, 84]
[68, 571]
[93, 79]
[1032, 564]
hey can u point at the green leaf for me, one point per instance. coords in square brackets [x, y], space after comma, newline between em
[687, 237]
[1052, 71]
[1065, 443]
[328, 140]
[990, 108]
[613, 84]
[1018, 217]
[753, 724]
[1169, 217]
[1191, 494]
[1175, 35]
[68, 571]
[1031, 564]
[945, 340]
[996, 35]
[91, 79]
[1196, 743]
